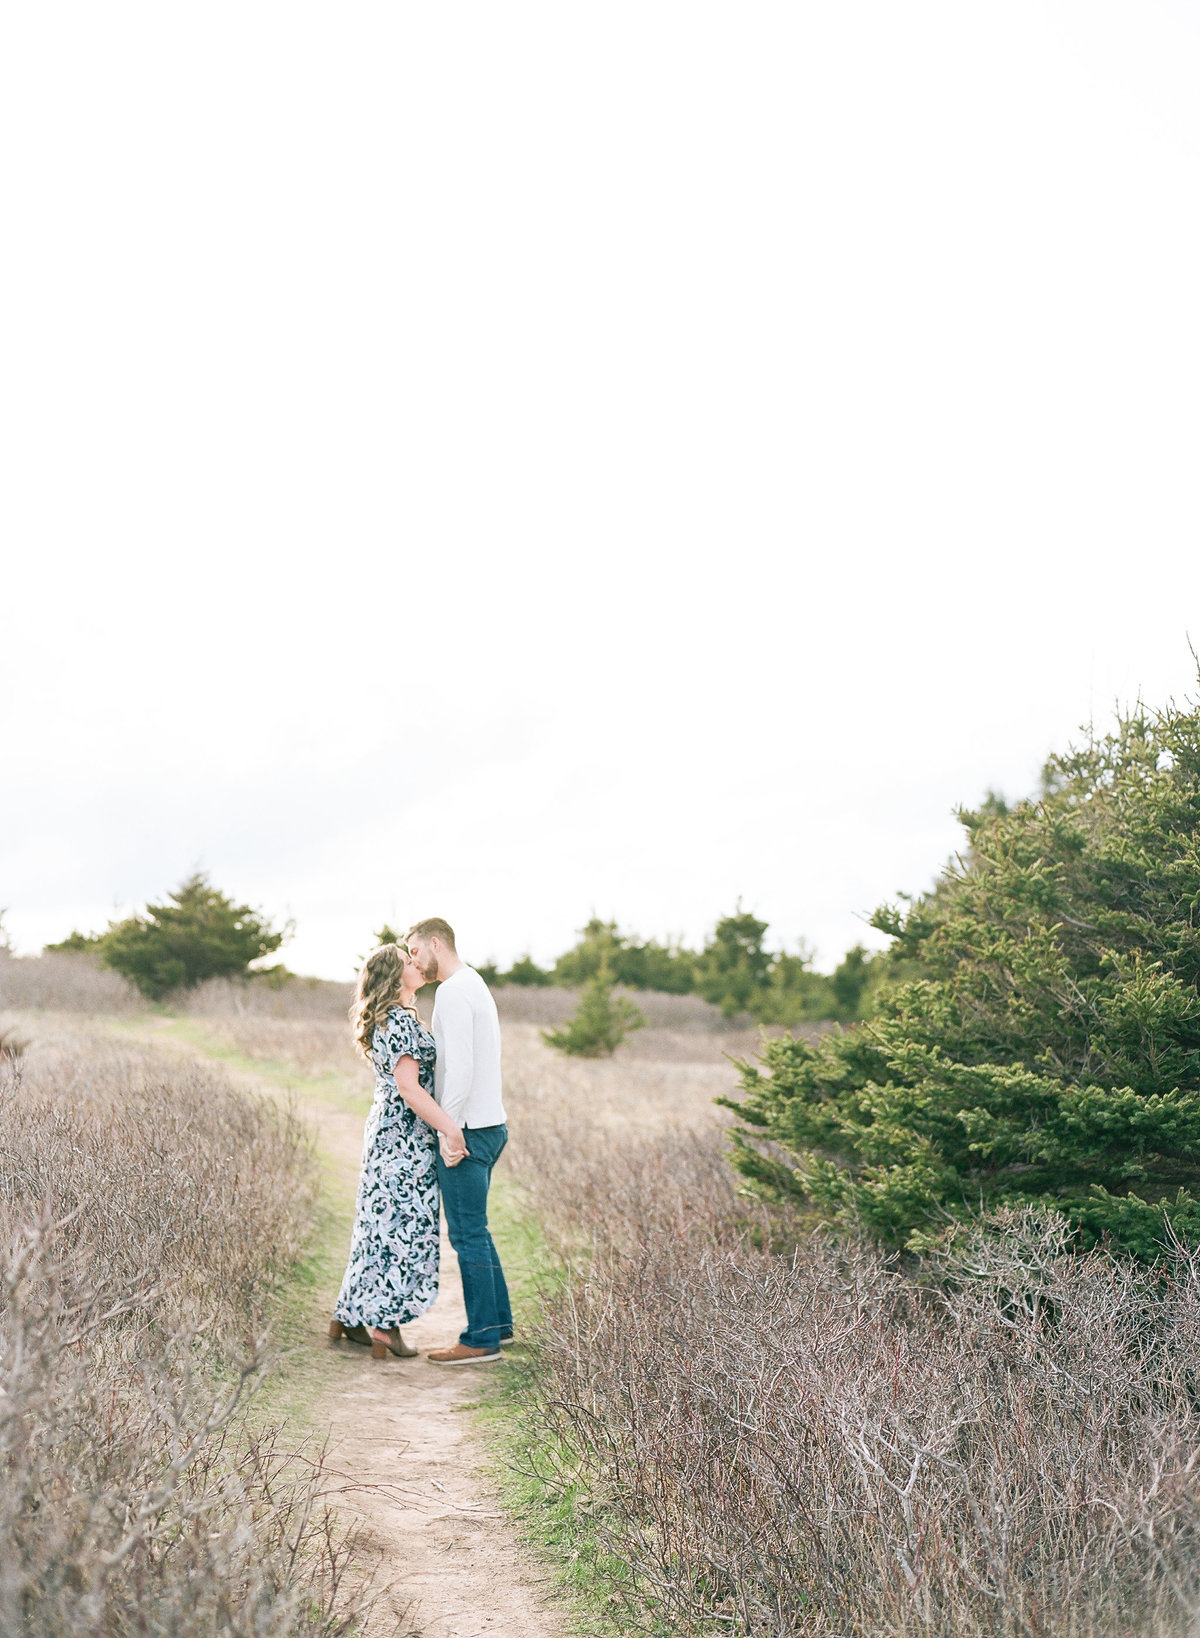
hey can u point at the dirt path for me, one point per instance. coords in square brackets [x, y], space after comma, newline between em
[398, 1427]
[412, 1465]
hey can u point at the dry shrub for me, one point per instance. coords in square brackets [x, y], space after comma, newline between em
[303, 1022]
[706, 1046]
[147, 1210]
[545, 1091]
[531, 1004]
[825, 1444]
[312, 1046]
[656, 1189]
[676, 1081]
[64, 982]
[258, 996]
[162, 1167]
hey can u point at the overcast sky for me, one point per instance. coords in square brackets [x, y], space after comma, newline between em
[515, 461]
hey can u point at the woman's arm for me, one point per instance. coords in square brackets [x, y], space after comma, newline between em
[429, 1110]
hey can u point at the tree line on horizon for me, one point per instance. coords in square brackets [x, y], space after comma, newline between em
[197, 933]
[734, 970]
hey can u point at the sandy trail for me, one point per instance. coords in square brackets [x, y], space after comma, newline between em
[397, 1426]
[410, 1467]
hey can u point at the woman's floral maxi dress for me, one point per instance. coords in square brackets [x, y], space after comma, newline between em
[392, 1275]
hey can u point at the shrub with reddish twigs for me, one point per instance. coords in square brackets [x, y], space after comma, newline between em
[148, 1210]
[1004, 1442]
[63, 981]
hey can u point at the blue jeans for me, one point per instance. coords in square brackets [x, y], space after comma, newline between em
[464, 1197]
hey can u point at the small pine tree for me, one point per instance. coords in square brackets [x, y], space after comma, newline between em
[599, 1024]
[198, 933]
[733, 968]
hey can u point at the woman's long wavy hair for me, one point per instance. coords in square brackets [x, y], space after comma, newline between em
[378, 989]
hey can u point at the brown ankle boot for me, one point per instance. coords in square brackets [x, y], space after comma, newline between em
[349, 1333]
[391, 1342]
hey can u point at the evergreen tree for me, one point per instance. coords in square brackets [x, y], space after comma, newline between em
[669, 968]
[526, 971]
[637, 966]
[733, 968]
[1048, 1047]
[599, 1024]
[849, 982]
[793, 993]
[77, 943]
[198, 933]
[600, 946]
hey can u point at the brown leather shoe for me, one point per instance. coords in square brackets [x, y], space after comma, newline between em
[460, 1354]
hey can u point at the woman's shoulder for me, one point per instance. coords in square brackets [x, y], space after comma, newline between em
[400, 1019]
[394, 1021]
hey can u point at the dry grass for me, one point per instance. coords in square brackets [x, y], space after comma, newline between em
[312, 1046]
[625, 1093]
[257, 997]
[659, 1077]
[531, 1004]
[64, 983]
[813, 1441]
[815, 1446]
[148, 1211]
[821, 1443]
[163, 1169]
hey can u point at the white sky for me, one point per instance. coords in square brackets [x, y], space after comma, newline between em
[513, 461]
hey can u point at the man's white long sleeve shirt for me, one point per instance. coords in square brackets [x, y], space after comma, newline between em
[466, 1027]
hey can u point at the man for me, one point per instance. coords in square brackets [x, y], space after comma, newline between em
[466, 1028]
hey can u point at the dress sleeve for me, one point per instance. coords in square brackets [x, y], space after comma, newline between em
[402, 1038]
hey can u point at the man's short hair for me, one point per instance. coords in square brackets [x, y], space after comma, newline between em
[435, 927]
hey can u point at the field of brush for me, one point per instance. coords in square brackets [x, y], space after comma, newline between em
[149, 1213]
[736, 1423]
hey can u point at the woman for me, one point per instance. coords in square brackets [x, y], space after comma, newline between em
[392, 1275]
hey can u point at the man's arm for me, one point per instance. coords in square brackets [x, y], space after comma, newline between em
[457, 1022]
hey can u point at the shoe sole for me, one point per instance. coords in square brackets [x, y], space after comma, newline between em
[483, 1359]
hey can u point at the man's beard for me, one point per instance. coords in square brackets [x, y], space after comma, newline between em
[430, 969]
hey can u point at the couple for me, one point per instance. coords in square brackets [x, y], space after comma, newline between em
[436, 1126]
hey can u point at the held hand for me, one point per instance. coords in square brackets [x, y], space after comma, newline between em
[453, 1148]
